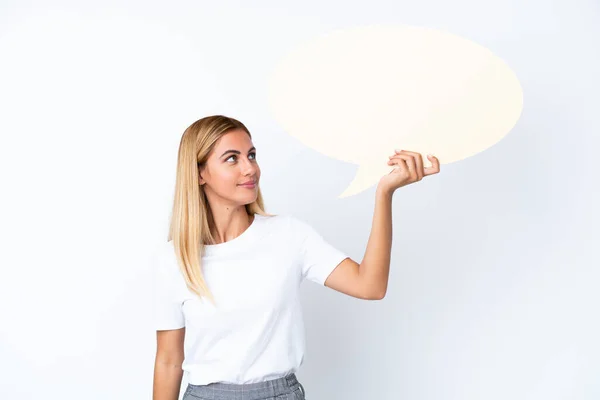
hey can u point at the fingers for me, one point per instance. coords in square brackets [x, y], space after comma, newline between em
[410, 165]
[435, 165]
[398, 161]
[418, 161]
[401, 163]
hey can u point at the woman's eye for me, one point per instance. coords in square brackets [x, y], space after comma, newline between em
[252, 154]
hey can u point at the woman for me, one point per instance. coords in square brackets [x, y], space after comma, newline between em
[227, 281]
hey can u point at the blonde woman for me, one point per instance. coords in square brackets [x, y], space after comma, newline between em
[227, 280]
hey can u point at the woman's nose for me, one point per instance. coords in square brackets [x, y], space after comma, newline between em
[250, 166]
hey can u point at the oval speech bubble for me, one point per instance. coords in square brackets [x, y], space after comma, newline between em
[358, 94]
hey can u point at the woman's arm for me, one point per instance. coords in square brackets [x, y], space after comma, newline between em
[375, 265]
[167, 364]
[369, 279]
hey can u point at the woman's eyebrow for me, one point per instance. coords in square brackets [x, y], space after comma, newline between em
[236, 151]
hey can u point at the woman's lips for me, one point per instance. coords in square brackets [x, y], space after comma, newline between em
[249, 185]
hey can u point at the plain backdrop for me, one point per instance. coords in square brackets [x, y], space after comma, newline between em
[494, 270]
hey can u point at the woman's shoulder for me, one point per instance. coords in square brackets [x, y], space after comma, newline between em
[282, 221]
[272, 221]
[291, 223]
[293, 220]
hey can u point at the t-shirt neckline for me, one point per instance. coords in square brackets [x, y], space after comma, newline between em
[235, 243]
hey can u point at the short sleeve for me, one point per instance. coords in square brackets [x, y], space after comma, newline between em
[318, 258]
[168, 313]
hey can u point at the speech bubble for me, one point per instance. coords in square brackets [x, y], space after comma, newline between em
[357, 94]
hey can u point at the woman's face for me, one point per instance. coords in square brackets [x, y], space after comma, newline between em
[231, 163]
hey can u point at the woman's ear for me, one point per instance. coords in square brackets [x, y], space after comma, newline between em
[201, 181]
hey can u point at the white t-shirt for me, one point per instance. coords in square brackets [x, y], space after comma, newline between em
[256, 331]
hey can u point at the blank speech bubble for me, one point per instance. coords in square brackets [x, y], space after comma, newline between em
[358, 94]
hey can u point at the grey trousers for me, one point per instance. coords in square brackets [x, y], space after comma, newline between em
[285, 388]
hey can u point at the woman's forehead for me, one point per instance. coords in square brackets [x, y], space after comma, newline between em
[234, 140]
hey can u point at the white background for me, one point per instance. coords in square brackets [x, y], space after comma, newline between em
[493, 285]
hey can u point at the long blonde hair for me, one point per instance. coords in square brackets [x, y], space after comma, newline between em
[191, 218]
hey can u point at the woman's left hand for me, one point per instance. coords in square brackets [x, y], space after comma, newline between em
[409, 170]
